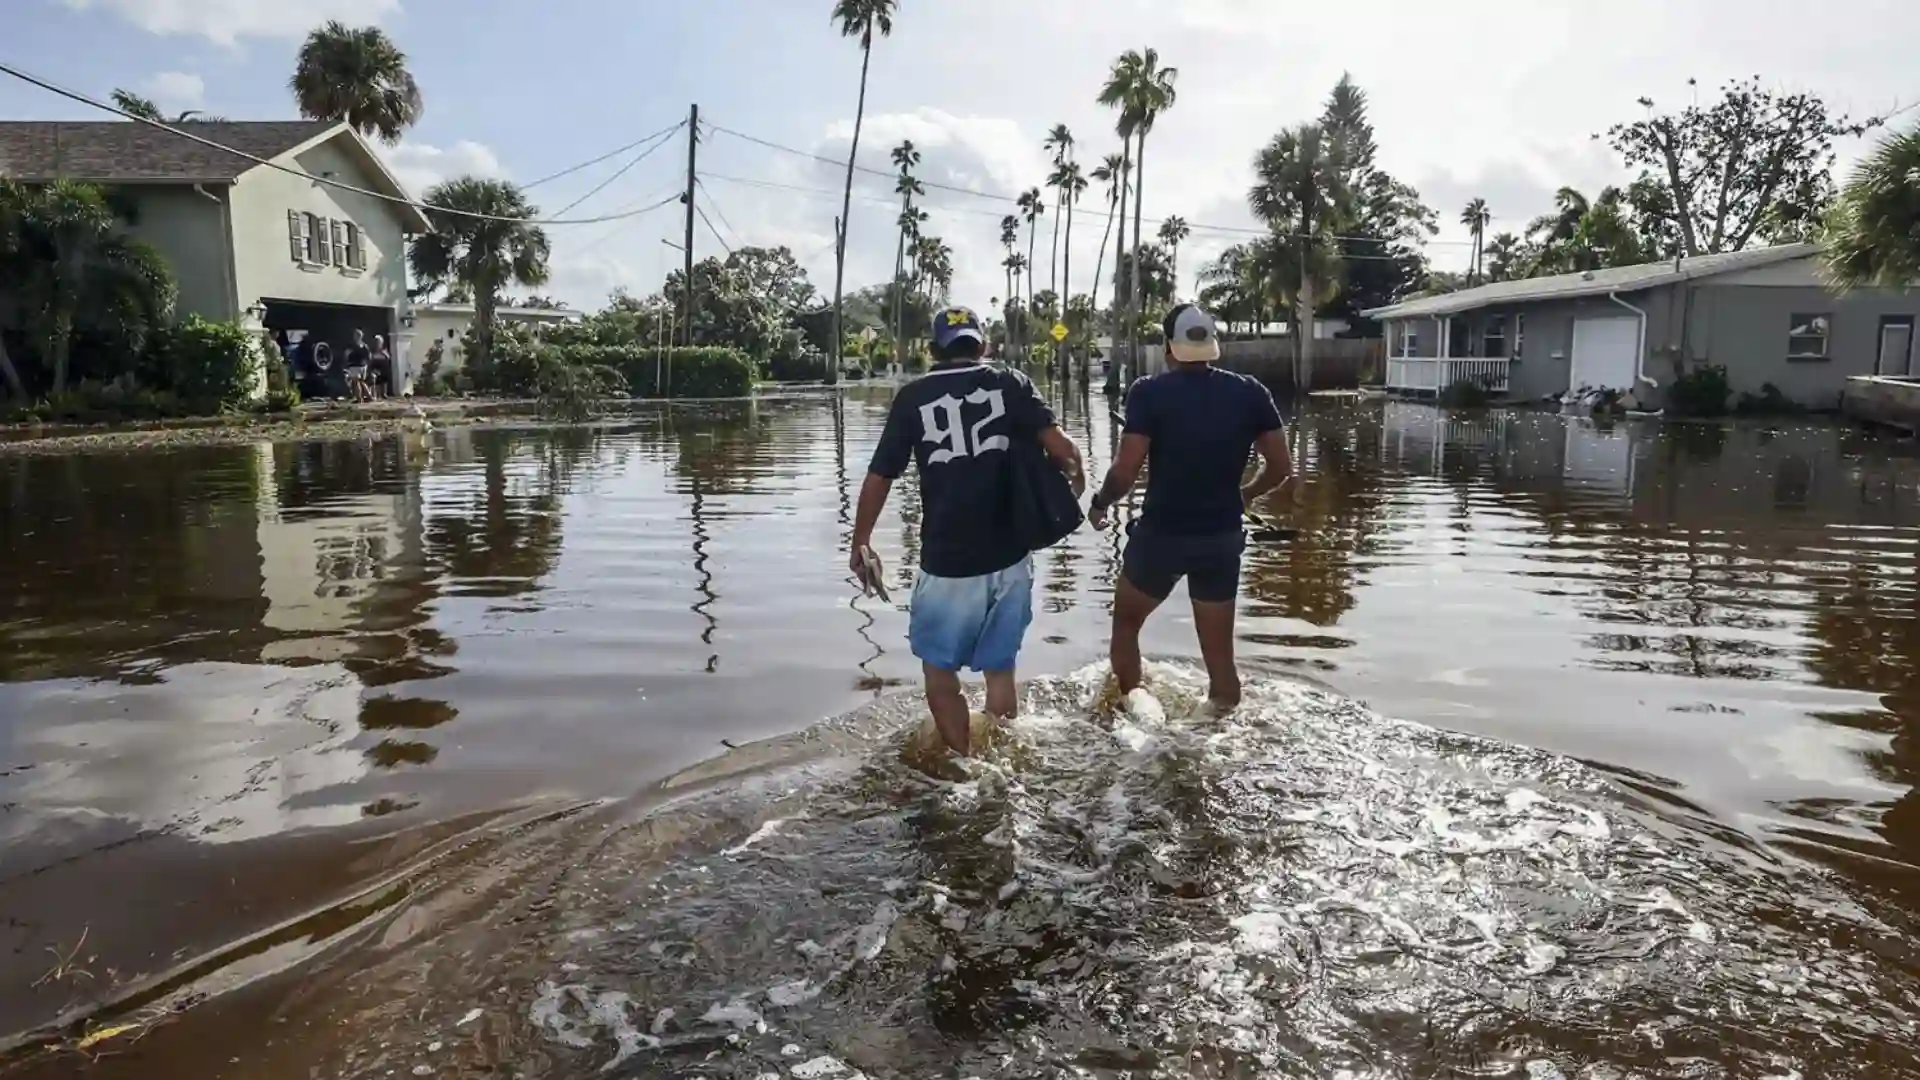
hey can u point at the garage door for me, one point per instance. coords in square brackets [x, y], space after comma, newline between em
[1603, 353]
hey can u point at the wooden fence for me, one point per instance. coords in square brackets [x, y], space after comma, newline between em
[1338, 363]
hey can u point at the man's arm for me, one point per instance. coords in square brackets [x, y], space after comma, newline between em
[1276, 466]
[890, 459]
[1121, 476]
[873, 499]
[1066, 456]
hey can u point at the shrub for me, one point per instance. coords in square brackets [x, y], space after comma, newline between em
[688, 372]
[427, 383]
[1768, 402]
[1701, 392]
[575, 391]
[120, 400]
[209, 365]
[1466, 394]
[281, 400]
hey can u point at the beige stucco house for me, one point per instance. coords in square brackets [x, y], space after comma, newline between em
[249, 242]
[448, 324]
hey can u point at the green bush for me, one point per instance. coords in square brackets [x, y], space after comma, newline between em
[688, 372]
[102, 403]
[1701, 392]
[1465, 394]
[281, 399]
[1768, 402]
[428, 383]
[575, 391]
[209, 365]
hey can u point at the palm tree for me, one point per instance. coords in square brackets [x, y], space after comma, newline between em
[1060, 141]
[858, 19]
[1031, 208]
[69, 266]
[357, 76]
[1475, 217]
[1300, 192]
[1873, 231]
[484, 255]
[1009, 236]
[1502, 257]
[1141, 89]
[905, 158]
[1068, 180]
[1172, 231]
[1112, 171]
[144, 107]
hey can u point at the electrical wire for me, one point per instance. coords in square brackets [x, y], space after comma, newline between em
[715, 203]
[661, 140]
[676, 126]
[73, 95]
[626, 223]
[698, 209]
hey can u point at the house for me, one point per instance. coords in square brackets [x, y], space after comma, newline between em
[1764, 314]
[246, 242]
[448, 323]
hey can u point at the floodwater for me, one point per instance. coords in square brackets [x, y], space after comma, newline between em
[1570, 751]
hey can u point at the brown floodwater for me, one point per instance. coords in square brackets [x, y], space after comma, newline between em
[446, 751]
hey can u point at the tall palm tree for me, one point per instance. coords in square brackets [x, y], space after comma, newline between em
[358, 76]
[1502, 257]
[69, 267]
[1009, 236]
[1141, 89]
[905, 159]
[1300, 192]
[1873, 231]
[1112, 171]
[858, 19]
[1071, 184]
[1172, 231]
[484, 255]
[1475, 217]
[1060, 141]
[146, 109]
[1031, 207]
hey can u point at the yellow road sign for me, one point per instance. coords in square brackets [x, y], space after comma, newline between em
[1059, 331]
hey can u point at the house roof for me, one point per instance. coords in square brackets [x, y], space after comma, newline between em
[466, 311]
[1591, 283]
[120, 151]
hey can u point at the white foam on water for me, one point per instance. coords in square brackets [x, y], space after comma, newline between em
[766, 829]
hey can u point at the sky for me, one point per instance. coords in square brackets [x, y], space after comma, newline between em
[1499, 100]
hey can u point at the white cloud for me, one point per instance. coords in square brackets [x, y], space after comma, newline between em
[227, 21]
[177, 91]
[419, 166]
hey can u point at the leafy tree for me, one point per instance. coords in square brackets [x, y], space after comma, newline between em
[1155, 278]
[905, 159]
[144, 107]
[358, 76]
[72, 271]
[1301, 191]
[860, 19]
[1504, 257]
[1060, 141]
[484, 254]
[1587, 234]
[1475, 217]
[1873, 230]
[1031, 207]
[1756, 164]
[1386, 224]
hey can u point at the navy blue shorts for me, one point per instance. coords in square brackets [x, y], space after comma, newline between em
[1155, 562]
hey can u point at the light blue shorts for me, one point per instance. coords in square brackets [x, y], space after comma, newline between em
[972, 622]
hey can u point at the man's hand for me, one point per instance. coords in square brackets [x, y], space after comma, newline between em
[1096, 515]
[855, 563]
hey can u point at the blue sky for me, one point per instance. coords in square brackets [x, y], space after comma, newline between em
[1474, 97]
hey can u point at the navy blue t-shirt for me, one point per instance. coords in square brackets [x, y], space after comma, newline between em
[957, 423]
[1201, 423]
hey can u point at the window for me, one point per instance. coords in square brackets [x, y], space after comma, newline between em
[1493, 341]
[339, 231]
[319, 240]
[1409, 338]
[1519, 333]
[356, 247]
[1807, 337]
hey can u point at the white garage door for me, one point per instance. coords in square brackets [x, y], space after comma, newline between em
[1603, 353]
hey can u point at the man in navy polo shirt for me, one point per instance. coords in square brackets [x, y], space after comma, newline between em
[1193, 425]
[973, 598]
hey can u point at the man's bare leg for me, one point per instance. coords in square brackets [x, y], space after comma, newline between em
[1214, 625]
[1003, 694]
[1130, 610]
[949, 708]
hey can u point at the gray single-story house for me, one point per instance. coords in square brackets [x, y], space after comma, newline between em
[264, 247]
[1764, 314]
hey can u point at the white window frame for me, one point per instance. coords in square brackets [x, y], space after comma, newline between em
[1801, 328]
[1409, 338]
[1519, 334]
[1487, 336]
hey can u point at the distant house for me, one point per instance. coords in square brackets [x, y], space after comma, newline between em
[448, 323]
[247, 242]
[1764, 314]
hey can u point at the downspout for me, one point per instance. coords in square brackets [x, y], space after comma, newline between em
[226, 256]
[1640, 356]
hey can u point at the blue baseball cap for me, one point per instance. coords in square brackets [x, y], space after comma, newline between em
[955, 323]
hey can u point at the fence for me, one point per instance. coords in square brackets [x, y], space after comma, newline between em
[1338, 363]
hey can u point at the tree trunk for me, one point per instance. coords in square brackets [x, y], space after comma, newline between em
[1135, 307]
[846, 208]
[1119, 249]
[899, 303]
[60, 348]
[1033, 275]
[1100, 263]
[485, 299]
[1053, 263]
[1066, 274]
[15, 389]
[1303, 380]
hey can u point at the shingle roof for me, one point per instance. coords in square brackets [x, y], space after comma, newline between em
[127, 152]
[1593, 283]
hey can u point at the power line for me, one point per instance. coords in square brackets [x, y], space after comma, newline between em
[595, 243]
[670, 129]
[715, 203]
[661, 140]
[322, 180]
[698, 209]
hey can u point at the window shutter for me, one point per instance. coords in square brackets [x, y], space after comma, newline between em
[339, 231]
[356, 247]
[297, 235]
[322, 246]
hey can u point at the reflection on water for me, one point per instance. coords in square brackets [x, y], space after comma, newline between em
[250, 674]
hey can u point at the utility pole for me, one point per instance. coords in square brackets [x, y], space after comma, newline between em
[693, 147]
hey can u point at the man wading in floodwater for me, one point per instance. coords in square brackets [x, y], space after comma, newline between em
[1194, 424]
[973, 598]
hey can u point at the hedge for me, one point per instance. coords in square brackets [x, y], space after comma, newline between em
[689, 372]
[211, 366]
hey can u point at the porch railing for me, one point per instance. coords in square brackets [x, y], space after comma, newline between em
[1432, 374]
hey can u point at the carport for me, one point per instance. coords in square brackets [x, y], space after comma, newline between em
[316, 371]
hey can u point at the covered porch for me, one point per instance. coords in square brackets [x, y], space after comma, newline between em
[1428, 353]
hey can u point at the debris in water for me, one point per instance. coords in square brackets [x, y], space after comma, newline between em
[472, 1015]
[819, 1068]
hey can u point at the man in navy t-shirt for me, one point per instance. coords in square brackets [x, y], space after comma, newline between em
[973, 598]
[1193, 426]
